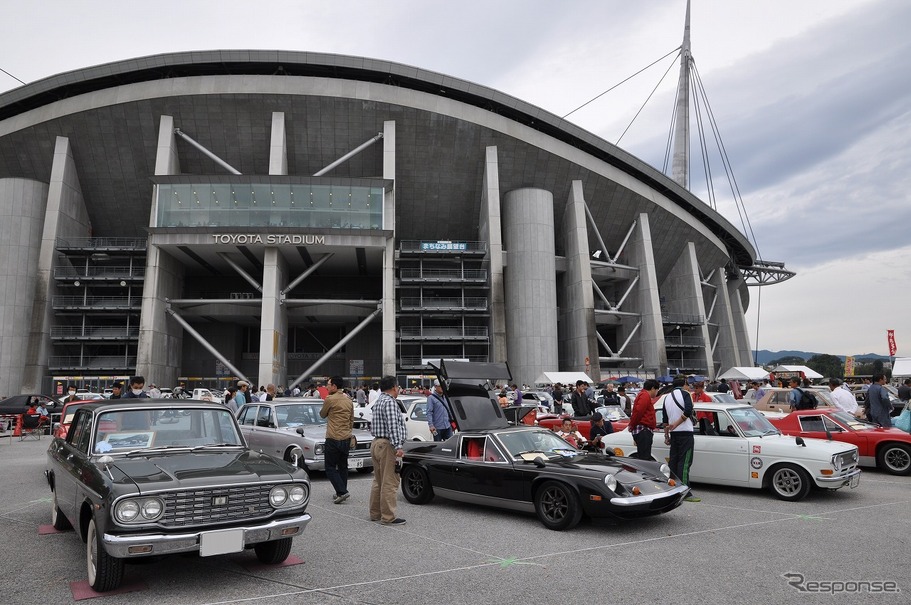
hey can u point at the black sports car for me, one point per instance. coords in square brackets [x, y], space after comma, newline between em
[526, 468]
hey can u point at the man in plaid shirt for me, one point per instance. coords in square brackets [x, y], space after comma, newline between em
[388, 429]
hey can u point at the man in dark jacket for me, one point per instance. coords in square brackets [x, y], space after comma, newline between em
[580, 401]
[879, 408]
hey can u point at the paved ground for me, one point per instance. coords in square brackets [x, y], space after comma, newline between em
[733, 547]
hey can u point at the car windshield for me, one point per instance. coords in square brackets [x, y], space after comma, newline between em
[612, 412]
[723, 398]
[70, 412]
[542, 441]
[291, 415]
[853, 423]
[130, 430]
[751, 422]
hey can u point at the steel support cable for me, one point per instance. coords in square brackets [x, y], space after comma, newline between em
[621, 82]
[735, 188]
[703, 148]
[17, 79]
[670, 132]
[646, 100]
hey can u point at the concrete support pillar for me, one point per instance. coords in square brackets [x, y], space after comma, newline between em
[278, 147]
[578, 340]
[388, 355]
[158, 353]
[531, 303]
[682, 294]
[737, 292]
[65, 217]
[22, 206]
[166, 159]
[645, 300]
[727, 353]
[273, 334]
[491, 231]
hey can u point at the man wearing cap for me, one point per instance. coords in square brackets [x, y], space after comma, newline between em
[599, 429]
[438, 414]
[339, 412]
[240, 398]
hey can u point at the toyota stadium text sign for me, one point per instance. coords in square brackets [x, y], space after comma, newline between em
[269, 239]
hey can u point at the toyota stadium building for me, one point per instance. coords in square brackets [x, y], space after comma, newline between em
[279, 216]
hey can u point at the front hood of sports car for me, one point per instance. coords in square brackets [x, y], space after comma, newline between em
[182, 470]
[626, 470]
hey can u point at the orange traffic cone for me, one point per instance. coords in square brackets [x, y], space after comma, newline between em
[18, 431]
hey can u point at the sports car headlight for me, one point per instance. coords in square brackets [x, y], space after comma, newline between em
[138, 510]
[611, 482]
[665, 470]
[278, 495]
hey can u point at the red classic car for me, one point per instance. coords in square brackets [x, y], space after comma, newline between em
[66, 417]
[888, 449]
[613, 413]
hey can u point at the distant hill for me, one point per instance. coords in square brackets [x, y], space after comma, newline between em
[764, 356]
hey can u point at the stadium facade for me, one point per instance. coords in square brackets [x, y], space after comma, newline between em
[277, 215]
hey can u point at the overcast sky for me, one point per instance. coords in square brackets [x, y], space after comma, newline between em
[812, 99]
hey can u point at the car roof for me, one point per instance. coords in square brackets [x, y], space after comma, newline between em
[145, 403]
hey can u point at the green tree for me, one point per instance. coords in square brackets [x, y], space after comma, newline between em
[828, 365]
[790, 360]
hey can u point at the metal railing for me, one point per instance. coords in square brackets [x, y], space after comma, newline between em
[107, 362]
[443, 333]
[468, 303]
[443, 274]
[93, 332]
[99, 271]
[678, 318]
[416, 362]
[102, 243]
[98, 302]
[441, 247]
[683, 341]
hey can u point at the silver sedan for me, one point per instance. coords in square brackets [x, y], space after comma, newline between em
[275, 427]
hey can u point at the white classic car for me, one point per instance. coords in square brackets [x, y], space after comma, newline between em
[736, 445]
[414, 412]
[275, 427]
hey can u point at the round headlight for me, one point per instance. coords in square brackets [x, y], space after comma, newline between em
[665, 470]
[297, 494]
[319, 449]
[152, 508]
[611, 482]
[278, 496]
[127, 511]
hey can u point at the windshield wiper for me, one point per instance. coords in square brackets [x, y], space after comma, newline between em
[153, 450]
[215, 445]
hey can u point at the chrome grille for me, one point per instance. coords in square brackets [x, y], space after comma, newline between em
[198, 507]
[846, 461]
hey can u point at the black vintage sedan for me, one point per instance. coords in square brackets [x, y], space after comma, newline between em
[527, 469]
[135, 486]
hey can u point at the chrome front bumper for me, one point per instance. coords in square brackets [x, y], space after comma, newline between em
[841, 479]
[639, 500]
[133, 545]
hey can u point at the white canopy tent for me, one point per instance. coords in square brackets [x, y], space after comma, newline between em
[901, 368]
[744, 373]
[806, 371]
[562, 378]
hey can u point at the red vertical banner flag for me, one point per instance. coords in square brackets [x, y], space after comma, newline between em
[890, 335]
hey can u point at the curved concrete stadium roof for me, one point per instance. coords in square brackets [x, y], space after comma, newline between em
[22, 150]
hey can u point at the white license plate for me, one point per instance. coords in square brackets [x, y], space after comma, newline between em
[855, 481]
[355, 462]
[220, 542]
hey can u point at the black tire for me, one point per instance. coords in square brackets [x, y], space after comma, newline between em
[273, 552]
[365, 470]
[789, 482]
[894, 458]
[557, 506]
[105, 572]
[416, 485]
[58, 519]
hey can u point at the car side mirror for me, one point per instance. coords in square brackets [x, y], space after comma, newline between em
[799, 441]
[295, 454]
[540, 462]
[300, 431]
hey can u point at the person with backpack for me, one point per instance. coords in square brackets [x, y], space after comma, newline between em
[801, 398]
[678, 433]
